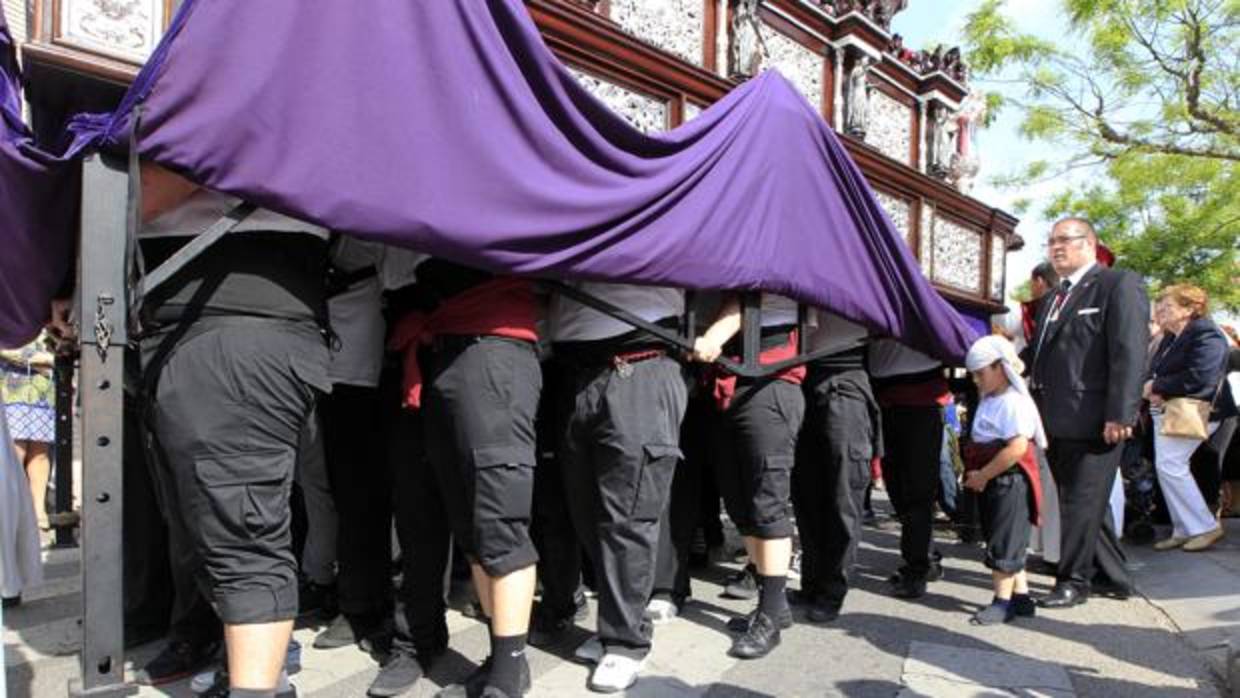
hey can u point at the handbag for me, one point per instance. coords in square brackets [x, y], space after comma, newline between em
[1186, 418]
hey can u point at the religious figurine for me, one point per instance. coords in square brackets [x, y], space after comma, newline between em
[747, 48]
[857, 110]
[939, 150]
[966, 162]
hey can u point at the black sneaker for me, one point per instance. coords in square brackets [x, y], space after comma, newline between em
[345, 631]
[219, 687]
[1024, 606]
[547, 630]
[177, 661]
[743, 584]
[994, 614]
[397, 675]
[758, 641]
[316, 598]
[740, 624]
[908, 587]
[824, 611]
[475, 685]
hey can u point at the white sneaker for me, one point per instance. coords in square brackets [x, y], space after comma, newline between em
[660, 611]
[615, 673]
[589, 651]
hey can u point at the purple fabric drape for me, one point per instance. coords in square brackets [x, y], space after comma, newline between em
[449, 127]
[38, 208]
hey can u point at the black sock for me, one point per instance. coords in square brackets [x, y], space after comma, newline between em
[507, 658]
[771, 597]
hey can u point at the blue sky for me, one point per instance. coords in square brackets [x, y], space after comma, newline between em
[1002, 150]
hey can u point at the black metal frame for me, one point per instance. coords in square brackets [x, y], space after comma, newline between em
[103, 335]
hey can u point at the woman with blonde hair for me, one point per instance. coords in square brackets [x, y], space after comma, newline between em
[1185, 385]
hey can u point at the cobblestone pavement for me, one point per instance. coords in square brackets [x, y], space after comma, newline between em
[880, 647]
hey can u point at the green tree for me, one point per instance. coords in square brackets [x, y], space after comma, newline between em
[1145, 93]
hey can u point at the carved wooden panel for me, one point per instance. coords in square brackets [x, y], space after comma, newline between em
[797, 62]
[890, 128]
[899, 210]
[998, 266]
[125, 29]
[676, 26]
[957, 255]
[646, 112]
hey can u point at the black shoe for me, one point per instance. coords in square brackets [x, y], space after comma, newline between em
[908, 587]
[740, 624]
[345, 631]
[220, 689]
[1024, 606]
[177, 661]
[758, 641]
[316, 598]
[11, 601]
[994, 614]
[824, 611]
[743, 584]
[1063, 596]
[401, 671]
[475, 685]
[549, 631]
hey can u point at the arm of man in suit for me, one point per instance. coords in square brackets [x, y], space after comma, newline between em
[1128, 335]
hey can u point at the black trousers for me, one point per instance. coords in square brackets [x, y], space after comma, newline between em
[1084, 475]
[912, 440]
[619, 452]
[1207, 462]
[551, 524]
[693, 476]
[361, 482]
[830, 478]
[425, 538]
[148, 590]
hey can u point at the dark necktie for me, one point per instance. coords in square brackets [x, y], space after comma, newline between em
[1061, 296]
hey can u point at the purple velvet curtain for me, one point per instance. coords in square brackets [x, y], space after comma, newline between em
[448, 126]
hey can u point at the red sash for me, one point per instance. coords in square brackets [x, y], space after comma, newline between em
[723, 383]
[503, 307]
[976, 456]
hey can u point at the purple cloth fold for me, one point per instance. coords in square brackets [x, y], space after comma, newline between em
[449, 127]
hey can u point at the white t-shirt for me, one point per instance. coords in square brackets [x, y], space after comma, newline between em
[204, 207]
[1005, 416]
[573, 322]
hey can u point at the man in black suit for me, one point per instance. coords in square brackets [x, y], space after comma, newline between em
[1088, 352]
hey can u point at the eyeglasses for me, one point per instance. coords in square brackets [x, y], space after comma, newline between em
[1060, 240]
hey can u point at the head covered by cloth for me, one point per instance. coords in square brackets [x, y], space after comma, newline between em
[993, 348]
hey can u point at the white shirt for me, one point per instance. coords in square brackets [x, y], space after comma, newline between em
[1075, 277]
[1005, 416]
[573, 322]
[204, 207]
[889, 358]
[357, 316]
[836, 333]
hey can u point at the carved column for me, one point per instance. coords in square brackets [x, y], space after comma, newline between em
[922, 114]
[837, 100]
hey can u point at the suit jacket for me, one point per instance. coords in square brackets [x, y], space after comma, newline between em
[1194, 364]
[1089, 367]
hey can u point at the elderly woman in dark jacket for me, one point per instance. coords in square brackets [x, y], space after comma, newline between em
[1191, 362]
